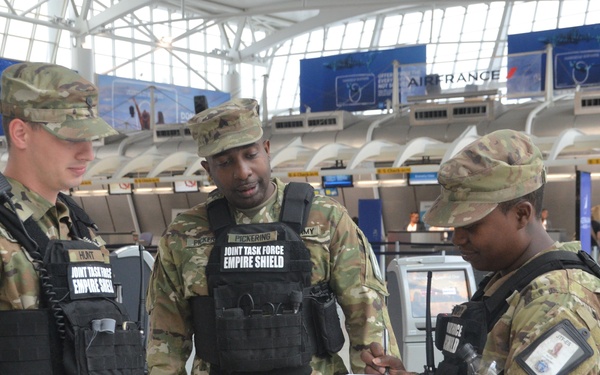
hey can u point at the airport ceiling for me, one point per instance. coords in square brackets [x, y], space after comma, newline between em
[364, 144]
[279, 20]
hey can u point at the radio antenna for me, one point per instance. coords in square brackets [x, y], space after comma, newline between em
[430, 366]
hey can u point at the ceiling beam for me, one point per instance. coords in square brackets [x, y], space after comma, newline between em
[116, 11]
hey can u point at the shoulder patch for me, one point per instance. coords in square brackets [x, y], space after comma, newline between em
[557, 351]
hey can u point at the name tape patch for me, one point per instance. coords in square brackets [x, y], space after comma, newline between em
[252, 238]
[251, 258]
[85, 255]
[195, 242]
[90, 280]
[311, 231]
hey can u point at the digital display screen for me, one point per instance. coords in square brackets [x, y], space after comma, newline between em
[335, 181]
[185, 186]
[448, 288]
[422, 178]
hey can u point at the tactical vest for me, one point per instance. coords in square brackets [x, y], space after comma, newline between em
[79, 327]
[261, 312]
[471, 321]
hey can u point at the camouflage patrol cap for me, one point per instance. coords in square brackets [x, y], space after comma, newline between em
[498, 167]
[229, 125]
[58, 98]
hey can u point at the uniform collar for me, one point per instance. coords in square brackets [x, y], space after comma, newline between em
[31, 204]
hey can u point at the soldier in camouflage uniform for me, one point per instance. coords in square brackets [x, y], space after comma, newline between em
[237, 159]
[492, 194]
[49, 119]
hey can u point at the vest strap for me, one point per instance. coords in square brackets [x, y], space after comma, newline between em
[554, 260]
[296, 205]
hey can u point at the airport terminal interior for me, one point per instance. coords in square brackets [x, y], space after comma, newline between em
[362, 99]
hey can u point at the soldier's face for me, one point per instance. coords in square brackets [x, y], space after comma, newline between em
[242, 174]
[56, 164]
[497, 242]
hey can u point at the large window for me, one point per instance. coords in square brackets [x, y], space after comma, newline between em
[190, 49]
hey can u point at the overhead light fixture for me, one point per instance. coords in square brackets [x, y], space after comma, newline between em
[394, 182]
[165, 42]
[153, 190]
[381, 183]
[367, 183]
[89, 193]
[560, 177]
[207, 189]
[568, 176]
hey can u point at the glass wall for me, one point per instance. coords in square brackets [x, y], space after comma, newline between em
[163, 45]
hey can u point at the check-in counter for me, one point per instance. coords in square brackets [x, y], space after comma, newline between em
[419, 242]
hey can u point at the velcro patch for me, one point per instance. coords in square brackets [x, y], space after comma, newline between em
[196, 242]
[85, 255]
[311, 231]
[90, 280]
[252, 237]
[273, 257]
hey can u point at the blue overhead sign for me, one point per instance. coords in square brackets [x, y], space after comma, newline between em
[360, 81]
[575, 57]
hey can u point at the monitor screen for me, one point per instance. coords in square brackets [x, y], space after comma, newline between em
[335, 181]
[452, 283]
[185, 186]
[422, 178]
[448, 288]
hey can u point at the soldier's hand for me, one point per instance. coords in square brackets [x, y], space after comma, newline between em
[377, 362]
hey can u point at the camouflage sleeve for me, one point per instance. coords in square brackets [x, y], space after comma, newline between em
[170, 331]
[537, 312]
[361, 292]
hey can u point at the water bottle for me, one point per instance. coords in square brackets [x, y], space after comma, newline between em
[475, 365]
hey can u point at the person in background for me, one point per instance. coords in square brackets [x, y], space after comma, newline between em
[205, 280]
[495, 186]
[50, 118]
[595, 224]
[415, 224]
[545, 221]
[143, 116]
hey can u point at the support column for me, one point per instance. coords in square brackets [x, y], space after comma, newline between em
[549, 82]
[233, 82]
[82, 60]
[264, 109]
[395, 88]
